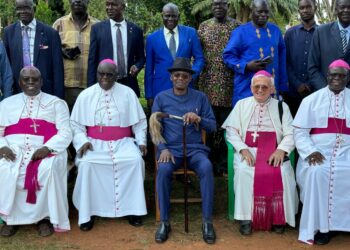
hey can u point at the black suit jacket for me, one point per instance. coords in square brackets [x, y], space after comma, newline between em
[325, 48]
[47, 56]
[101, 47]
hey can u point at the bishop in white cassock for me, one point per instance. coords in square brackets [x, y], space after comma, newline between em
[264, 182]
[109, 128]
[34, 136]
[322, 136]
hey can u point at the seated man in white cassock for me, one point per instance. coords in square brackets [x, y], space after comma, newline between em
[109, 128]
[260, 130]
[322, 136]
[34, 136]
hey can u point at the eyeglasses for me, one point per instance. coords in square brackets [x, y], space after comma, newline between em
[257, 87]
[103, 74]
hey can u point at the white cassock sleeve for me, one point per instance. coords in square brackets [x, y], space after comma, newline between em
[63, 138]
[303, 142]
[140, 132]
[3, 141]
[235, 139]
[80, 137]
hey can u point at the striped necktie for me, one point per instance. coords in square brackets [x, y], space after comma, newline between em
[120, 54]
[172, 44]
[25, 46]
[344, 40]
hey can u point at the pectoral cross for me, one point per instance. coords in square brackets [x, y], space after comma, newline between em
[34, 126]
[100, 124]
[255, 135]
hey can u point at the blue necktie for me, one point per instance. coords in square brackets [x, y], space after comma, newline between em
[25, 46]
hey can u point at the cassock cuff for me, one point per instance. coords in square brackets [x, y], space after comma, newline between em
[79, 140]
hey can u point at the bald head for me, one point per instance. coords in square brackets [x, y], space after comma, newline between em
[170, 15]
[30, 80]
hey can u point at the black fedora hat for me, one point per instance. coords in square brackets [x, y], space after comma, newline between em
[182, 64]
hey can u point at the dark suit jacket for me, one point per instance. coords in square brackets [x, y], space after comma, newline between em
[325, 48]
[101, 47]
[47, 56]
[159, 59]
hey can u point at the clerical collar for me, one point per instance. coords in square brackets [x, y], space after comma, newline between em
[32, 97]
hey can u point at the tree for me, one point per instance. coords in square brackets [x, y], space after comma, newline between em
[325, 11]
[240, 9]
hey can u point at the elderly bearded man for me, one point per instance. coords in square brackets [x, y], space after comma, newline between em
[322, 136]
[34, 136]
[109, 128]
[264, 182]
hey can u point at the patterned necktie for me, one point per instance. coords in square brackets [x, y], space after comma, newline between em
[25, 46]
[344, 40]
[172, 44]
[120, 54]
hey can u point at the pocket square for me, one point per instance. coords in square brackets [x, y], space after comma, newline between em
[43, 47]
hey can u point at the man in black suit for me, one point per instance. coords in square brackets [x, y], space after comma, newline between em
[330, 42]
[104, 43]
[32, 43]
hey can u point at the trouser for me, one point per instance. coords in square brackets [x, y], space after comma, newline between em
[71, 95]
[201, 165]
[216, 140]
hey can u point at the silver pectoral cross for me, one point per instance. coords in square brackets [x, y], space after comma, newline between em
[35, 126]
[255, 135]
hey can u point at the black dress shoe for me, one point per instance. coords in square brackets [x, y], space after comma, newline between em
[208, 232]
[279, 229]
[246, 229]
[322, 238]
[162, 232]
[8, 230]
[87, 226]
[135, 221]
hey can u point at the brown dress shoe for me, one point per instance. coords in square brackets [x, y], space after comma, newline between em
[45, 228]
[8, 230]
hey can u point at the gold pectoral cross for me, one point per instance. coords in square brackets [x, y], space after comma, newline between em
[35, 126]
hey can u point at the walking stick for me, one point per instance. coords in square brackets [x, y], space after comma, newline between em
[185, 175]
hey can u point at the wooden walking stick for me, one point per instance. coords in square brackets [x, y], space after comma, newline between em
[185, 176]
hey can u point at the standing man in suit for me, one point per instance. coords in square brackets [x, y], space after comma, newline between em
[163, 46]
[32, 43]
[330, 42]
[104, 43]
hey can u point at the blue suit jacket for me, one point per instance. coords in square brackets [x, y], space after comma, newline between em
[47, 56]
[6, 78]
[101, 47]
[159, 59]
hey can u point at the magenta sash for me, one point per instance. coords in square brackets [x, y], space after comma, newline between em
[109, 133]
[335, 126]
[268, 206]
[43, 128]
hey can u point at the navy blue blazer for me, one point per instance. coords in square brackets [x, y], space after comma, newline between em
[159, 59]
[47, 56]
[101, 47]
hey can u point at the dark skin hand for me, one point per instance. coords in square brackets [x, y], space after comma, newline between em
[40, 153]
[82, 151]
[7, 154]
[316, 158]
[134, 71]
[191, 117]
[304, 90]
[143, 150]
[256, 65]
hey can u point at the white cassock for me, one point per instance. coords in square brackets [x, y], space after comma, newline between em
[324, 189]
[110, 178]
[52, 174]
[249, 115]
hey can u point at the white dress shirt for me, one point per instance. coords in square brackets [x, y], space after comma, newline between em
[31, 37]
[167, 36]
